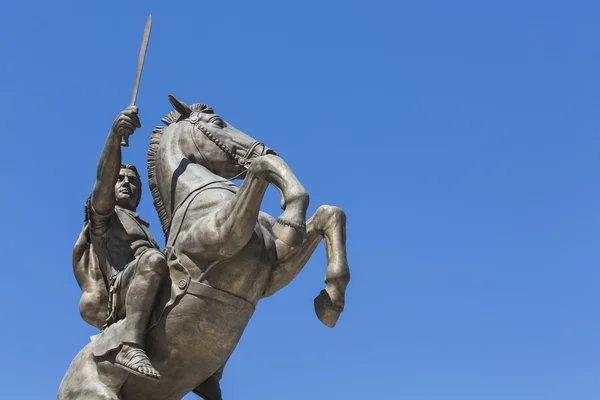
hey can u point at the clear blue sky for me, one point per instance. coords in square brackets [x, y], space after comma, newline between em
[462, 139]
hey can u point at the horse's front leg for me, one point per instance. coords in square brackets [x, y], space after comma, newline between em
[290, 227]
[328, 223]
[229, 229]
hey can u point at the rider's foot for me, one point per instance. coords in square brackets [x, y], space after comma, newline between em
[134, 360]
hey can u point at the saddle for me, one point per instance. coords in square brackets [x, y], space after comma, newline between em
[175, 286]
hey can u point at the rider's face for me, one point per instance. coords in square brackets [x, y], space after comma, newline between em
[126, 189]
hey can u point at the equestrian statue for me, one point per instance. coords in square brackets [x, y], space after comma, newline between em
[170, 318]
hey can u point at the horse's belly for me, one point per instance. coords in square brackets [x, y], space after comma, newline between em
[190, 343]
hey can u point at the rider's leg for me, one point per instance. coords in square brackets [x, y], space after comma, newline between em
[138, 288]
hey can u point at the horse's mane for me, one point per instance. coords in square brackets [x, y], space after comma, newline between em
[170, 118]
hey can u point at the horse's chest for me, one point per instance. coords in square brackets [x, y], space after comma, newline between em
[246, 274]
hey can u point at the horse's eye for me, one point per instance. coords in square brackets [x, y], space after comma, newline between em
[217, 121]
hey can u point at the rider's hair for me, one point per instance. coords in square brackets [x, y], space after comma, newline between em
[139, 183]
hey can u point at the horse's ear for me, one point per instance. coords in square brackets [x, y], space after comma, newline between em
[180, 107]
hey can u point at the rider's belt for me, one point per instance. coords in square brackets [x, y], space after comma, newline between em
[202, 290]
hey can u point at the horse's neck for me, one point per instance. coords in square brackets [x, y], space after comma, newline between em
[178, 174]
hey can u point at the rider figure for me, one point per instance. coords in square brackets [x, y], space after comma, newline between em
[128, 254]
[128, 258]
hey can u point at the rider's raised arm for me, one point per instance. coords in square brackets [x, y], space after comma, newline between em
[103, 194]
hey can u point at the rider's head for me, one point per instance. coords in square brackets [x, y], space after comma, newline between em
[128, 190]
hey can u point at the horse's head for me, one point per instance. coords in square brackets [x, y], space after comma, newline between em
[217, 145]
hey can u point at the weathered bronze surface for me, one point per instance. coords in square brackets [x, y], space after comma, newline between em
[187, 307]
[171, 318]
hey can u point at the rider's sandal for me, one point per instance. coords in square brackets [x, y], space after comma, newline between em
[134, 361]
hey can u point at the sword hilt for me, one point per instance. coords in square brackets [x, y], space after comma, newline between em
[125, 140]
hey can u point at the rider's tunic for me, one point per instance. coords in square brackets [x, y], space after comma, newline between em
[119, 238]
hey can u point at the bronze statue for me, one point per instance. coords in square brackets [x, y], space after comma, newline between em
[170, 320]
[222, 253]
[116, 261]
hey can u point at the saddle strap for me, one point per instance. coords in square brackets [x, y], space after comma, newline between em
[200, 289]
[177, 217]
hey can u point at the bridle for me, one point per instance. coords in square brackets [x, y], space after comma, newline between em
[241, 161]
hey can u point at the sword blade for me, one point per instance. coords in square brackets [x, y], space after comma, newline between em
[138, 75]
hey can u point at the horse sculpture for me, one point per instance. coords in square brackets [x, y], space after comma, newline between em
[224, 255]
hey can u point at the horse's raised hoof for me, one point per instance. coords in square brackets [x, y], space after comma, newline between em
[327, 313]
[288, 233]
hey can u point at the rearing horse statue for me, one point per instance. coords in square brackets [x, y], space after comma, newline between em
[224, 255]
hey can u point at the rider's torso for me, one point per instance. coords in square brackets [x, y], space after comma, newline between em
[126, 238]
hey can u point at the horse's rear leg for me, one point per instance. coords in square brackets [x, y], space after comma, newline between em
[328, 223]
